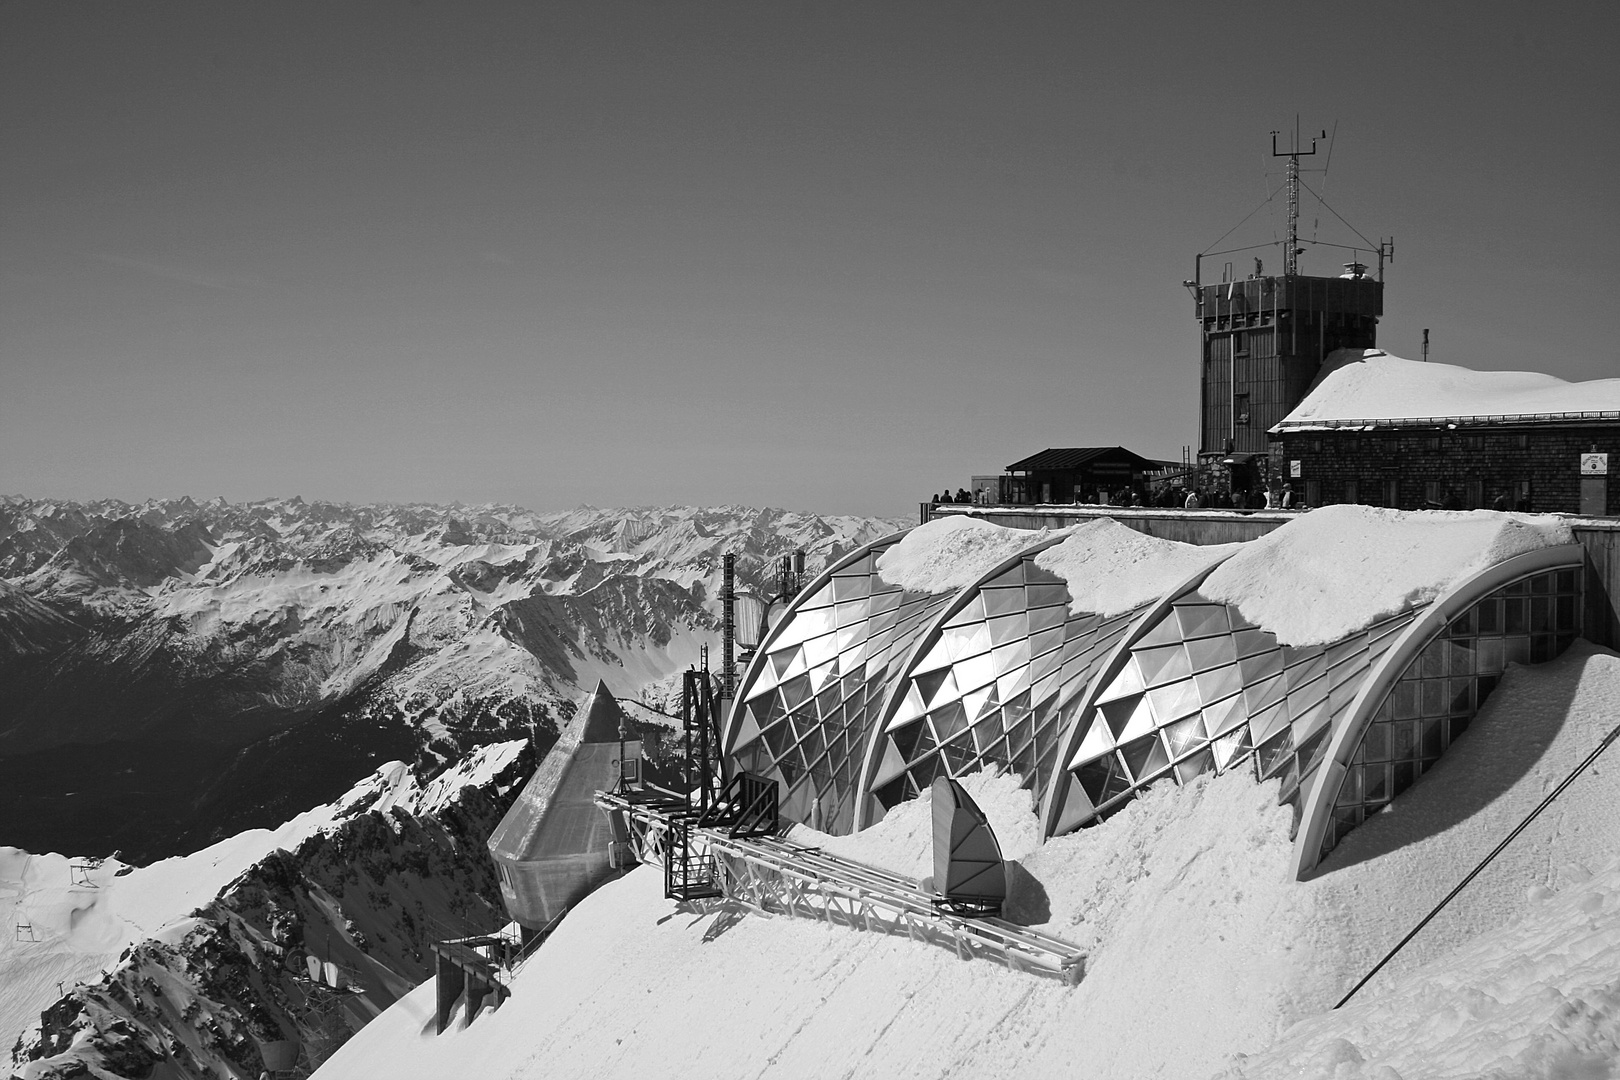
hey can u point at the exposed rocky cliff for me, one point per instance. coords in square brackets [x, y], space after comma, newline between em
[173, 672]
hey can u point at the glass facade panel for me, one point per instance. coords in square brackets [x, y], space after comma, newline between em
[1425, 713]
[1209, 701]
[1035, 652]
[815, 701]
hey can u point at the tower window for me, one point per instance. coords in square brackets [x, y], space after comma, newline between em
[1240, 344]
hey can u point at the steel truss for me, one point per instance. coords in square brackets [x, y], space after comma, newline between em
[772, 876]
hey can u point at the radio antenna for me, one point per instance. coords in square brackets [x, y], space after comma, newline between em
[1291, 248]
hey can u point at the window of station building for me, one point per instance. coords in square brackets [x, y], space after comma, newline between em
[1432, 703]
[1522, 442]
[1240, 344]
[1392, 492]
[1240, 406]
[1433, 493]
[1474, 493]
[1313, 493]
[1350, 493]
[1432, 444]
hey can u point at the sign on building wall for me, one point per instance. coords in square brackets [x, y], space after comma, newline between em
[1294, 469]
[1594, 464]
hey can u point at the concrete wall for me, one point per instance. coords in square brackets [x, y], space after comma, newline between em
[1184, 526]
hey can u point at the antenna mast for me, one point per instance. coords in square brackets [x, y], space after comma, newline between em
[1291, 250]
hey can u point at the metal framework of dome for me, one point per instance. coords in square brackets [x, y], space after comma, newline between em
[864, 694]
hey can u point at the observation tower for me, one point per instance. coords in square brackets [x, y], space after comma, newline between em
[1263, 337]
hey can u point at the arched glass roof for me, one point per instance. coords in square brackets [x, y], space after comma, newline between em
[865, 691]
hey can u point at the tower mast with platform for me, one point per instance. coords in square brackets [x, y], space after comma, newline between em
[1263, 338]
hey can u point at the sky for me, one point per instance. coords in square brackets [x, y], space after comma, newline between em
[831, 257]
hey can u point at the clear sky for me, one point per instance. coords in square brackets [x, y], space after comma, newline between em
[824, 256]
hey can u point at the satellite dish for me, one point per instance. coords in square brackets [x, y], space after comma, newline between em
[314, 966]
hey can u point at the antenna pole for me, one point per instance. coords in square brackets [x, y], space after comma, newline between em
[1291, 248]
[1425, 344]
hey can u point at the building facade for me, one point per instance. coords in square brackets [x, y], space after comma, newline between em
[1526, 466]
[1264, 340]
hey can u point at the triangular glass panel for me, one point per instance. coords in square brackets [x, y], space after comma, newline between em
[1230, 748]
[1144, 757]
[949, 721]
[1007, 657]
[1265, 725]
[1212, 652]
[1047, 618]
[1077, 808]
[1126, 683]
[1098, 741]
[1174, 701]
[891, 765]
[1012, 684]
[1162, 665]
[1184, 736]
[1140, 722]
[938, 656]
[1254, 642]
[1219, 684]
[1262, 694]
[928, 683]
[1005, 628]
[1118, 713]
[851, 588]
[1223, 716]
[796, 691]
[1004, 601]
[747, 731]
[1201, 762]
[1202, 620]
[1261, 666]
[1167, 631]
[1103, 779]
[972, 612]
[1043, 595]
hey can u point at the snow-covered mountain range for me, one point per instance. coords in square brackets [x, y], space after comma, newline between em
[174, 672]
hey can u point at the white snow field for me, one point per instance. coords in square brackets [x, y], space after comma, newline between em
[75, 931]
[1370, 384]
[1201, 946]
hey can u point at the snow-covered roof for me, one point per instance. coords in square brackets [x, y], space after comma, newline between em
[1372, 388]
[948, 553]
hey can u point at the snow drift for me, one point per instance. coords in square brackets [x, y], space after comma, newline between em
[1337, 569]
[948, 553]
[1201, 946]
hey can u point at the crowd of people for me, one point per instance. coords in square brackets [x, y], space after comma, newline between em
[1168, 496]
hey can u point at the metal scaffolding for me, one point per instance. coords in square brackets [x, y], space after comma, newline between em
[772, 876]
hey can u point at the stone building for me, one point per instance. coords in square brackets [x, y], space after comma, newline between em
[1383, 431]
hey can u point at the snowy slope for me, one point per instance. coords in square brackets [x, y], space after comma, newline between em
[1200, 945]
[1537, 998]
[1374, 385]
